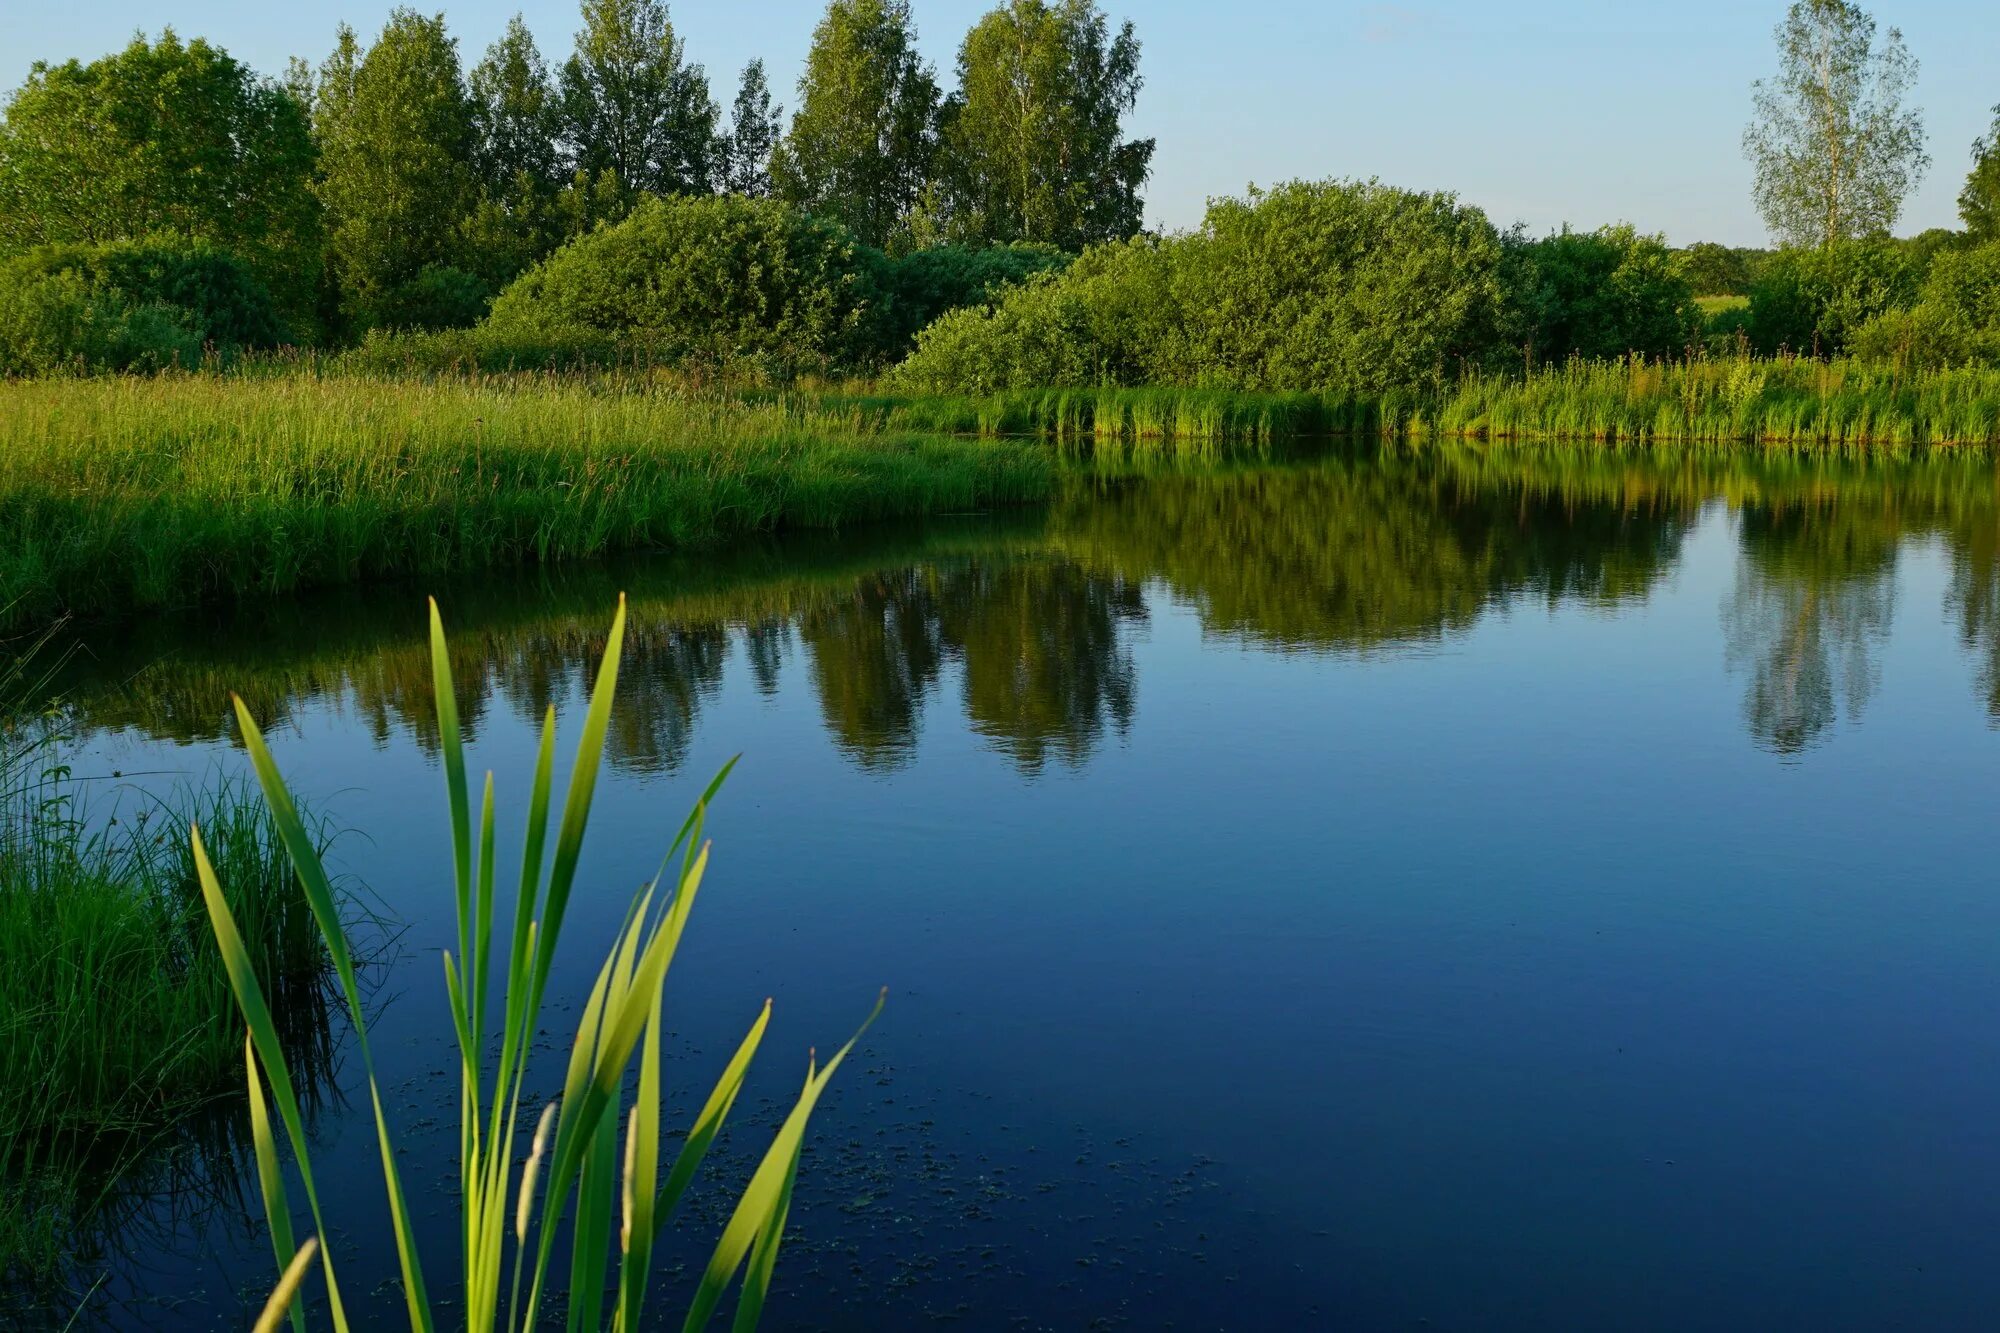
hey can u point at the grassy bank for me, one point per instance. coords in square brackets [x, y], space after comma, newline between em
[123, 496]
[127, 495]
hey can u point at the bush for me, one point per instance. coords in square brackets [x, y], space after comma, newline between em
[925, 284]
[1093, 324]
[1720, 270]
[714, 281]
[1956, 318]
[439, 297]
[1341, 286]
[128, 305]
[1600, 294]
[1817, 300]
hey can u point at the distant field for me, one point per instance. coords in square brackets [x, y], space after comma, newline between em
[1716, 305]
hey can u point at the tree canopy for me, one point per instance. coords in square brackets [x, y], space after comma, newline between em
[164, 138]
[1836, 151]
[633, 105]
[860, 147]
[1979, 201]
[1034, 133]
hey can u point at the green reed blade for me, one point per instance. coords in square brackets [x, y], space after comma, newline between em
[319, 896]
[760, 1199]
[709, 1121]
[264, 1034]
[576, 804]
[270, 1177]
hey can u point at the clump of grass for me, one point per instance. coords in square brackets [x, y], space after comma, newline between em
[116, 1022]
[578, 1154]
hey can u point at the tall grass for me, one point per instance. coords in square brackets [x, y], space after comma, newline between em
[578, 1155]
[122, 496]
[1788, 401]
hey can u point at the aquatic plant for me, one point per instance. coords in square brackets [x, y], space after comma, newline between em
[575, 1152]
[116, 1021]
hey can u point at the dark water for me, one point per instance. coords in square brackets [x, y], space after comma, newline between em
[1469, 890]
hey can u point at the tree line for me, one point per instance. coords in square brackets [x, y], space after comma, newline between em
[578, 211]
[391, 186]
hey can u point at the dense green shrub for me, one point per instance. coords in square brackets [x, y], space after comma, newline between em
[1093, 324]
[128, 305]
[1344, 286]
[1600, 294]
[439, 297]
[714, 280]
[1814, 301]
[1955, 320]
[924, 284]
[1720, 270]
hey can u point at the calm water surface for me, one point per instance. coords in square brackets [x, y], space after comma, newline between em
[1470, 890]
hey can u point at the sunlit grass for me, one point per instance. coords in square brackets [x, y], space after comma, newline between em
[123, 496]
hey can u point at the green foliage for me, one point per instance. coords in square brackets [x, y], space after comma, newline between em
[754, 125]
[1032, 137]
[1955, 320]
[924, 284]
[715, 281]
[1814, 300]
[860, 147]
[1835, 151]
[439, 297]
[1601, 294]
[128, 305]
[164, 138]
[396, 133]
[1349, 287]
[1979, 201]
[514, 115]
[1720, 270]
[633, 106]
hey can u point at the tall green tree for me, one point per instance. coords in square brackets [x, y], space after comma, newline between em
[632, 104]
[860, 148]
[396, 134]
[1836, 152]
[1033, 136]
[514, 113]
[1979, 201]
[164, 138]
[753, 135]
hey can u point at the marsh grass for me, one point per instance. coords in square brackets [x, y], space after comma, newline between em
[124, 496]
[578, 1155]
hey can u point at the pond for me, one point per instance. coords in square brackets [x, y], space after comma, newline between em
[1491, 889]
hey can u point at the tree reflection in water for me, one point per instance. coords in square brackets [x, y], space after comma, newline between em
[1034, 612]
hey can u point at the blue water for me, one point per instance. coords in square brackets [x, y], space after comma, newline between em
[1465, 892]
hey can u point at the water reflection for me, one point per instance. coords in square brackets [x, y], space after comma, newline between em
[1808, 619]
[1029, 618]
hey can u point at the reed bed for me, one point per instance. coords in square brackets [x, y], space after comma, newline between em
[1790, 402]
[123, 496]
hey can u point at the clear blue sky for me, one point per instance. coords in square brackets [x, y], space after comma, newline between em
[1586, 111]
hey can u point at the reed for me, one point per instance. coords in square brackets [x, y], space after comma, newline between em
[578, 1156]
